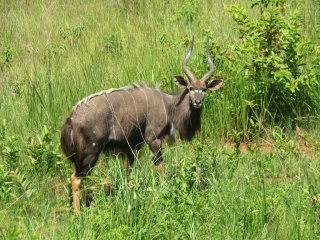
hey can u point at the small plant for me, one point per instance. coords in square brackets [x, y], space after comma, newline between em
[187, 10]
[278, 62]
[43, 151]
[73, 32]
[236, 136]
[197, 174]
[14, 184]
[113, 44]
[8, 148]
[52, 52]
[6, 54]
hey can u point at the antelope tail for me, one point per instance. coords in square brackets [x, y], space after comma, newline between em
[66, 140]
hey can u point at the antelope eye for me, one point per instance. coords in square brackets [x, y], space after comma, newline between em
[190, 88]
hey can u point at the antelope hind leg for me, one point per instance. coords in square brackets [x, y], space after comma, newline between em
[76, 191]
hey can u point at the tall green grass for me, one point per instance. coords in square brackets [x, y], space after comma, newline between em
[206, 192]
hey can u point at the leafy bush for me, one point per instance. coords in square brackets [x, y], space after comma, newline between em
[13, 183]
[43, 152]
[279, 63]
[8, 148]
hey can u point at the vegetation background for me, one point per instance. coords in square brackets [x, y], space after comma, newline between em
[252, 172]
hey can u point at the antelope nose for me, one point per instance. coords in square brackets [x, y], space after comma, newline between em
[197, 101]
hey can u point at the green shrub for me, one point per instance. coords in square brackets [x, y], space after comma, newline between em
[278, 62]
[8, 148]
[44, 153]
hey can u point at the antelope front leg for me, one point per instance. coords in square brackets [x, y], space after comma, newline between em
[130, 157]
[155, 147]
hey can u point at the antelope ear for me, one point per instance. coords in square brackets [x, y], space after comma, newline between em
[181, 82]
[215, 85]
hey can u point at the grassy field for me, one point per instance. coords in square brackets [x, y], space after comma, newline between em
[54, 53]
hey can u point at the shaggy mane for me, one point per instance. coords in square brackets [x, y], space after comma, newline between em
[87, 99]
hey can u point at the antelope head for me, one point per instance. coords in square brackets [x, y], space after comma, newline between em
[195, 87]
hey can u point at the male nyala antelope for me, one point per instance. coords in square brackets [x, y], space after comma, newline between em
[121, 119]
